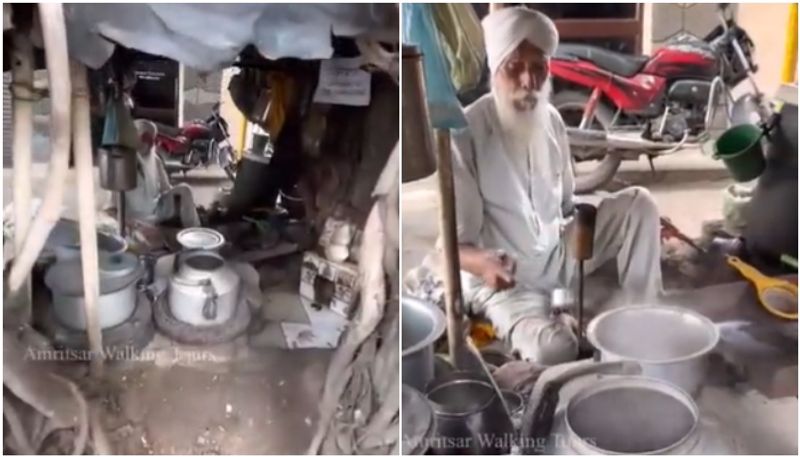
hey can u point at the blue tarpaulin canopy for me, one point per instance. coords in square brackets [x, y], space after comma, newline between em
[419, 29]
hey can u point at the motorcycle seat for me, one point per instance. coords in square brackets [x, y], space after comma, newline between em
[615, 62]
[168, 130]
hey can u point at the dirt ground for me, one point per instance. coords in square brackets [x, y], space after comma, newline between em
[263, 404]
[251, 401]
[229, 398]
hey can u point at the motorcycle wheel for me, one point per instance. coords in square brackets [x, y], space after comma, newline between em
[570, 104]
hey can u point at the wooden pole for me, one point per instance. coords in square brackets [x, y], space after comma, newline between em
[23, 99]
[54, 35]
[454, 304]
[82, 145]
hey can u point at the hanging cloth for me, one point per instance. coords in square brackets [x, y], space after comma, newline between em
[462, 42]
[119, 130]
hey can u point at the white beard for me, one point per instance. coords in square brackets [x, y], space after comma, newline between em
[524, 129]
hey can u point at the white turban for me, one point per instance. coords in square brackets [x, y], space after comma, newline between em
[505, 29]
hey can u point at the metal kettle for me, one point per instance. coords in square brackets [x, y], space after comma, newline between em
[418, 157]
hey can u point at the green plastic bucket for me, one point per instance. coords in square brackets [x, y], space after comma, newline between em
[740, 149]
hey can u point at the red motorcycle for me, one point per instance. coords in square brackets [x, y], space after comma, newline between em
[197, 143]
[619, 106]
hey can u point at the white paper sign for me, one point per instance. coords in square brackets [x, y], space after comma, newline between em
[342, 82]
[304, 336]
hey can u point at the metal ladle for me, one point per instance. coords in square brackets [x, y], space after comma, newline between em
[477, 353]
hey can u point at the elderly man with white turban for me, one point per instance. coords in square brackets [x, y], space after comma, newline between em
[154, 199]
[514, 196]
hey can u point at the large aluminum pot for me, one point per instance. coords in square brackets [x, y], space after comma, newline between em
[470, 417]
[205, 289]
[419, 422]
[423, 324]
[670, 343]
[118, 275]
[630, 415]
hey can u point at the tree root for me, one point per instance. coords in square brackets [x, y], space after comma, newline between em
[82, 434]
[21, 444]
[373, 301]
[359, 412]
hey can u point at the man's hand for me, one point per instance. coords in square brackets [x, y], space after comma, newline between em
[496, 268]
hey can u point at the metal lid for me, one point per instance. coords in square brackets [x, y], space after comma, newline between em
[66, 235]
[200, 238]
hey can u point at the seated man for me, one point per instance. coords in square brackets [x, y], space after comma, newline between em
[514, 195]
[154, 199]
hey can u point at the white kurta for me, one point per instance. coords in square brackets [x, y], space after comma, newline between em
[516, 201]
[510, 200]
[154, 199]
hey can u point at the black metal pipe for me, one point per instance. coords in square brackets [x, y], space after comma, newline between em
[121, 213]
[580, 302]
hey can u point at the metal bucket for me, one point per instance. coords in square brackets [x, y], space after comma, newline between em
[669, 342]
[739, 148]
[516, 406]
[117, 169]
[64, 241]
[470, 418]
[631, 415]
[423, 324]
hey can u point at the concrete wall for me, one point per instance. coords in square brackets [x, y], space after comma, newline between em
[765, 22]
[669, 19]
[200, 92]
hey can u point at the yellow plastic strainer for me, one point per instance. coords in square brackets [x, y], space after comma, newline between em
[777, 296]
